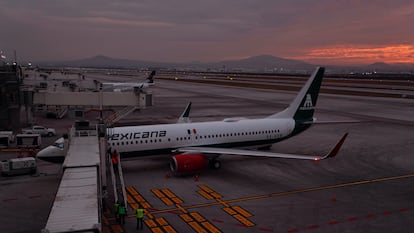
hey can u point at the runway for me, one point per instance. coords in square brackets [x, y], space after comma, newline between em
[366, 188]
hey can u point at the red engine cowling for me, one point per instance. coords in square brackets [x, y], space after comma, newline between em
[184, 164]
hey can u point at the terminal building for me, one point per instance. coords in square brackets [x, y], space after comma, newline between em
[15, 102]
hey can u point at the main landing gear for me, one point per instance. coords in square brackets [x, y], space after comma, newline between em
[215, 164]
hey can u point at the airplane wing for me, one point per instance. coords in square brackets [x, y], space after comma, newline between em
[316, 121]
[220, 151]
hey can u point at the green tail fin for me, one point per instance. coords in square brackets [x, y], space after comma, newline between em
[303, 106]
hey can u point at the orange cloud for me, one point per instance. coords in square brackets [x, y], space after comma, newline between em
[362, 55]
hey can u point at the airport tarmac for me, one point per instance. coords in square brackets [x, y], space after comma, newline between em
[366, 188]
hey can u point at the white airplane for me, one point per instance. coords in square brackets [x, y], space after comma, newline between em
[55, 153]
[196, 145]
[119, 87]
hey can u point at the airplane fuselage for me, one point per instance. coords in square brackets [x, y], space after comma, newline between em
[155, 139]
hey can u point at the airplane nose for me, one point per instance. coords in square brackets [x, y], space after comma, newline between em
[51, 154]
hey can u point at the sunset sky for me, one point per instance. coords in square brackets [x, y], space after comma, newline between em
[322, 32]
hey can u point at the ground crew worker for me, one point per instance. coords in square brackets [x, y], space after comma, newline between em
[116, 209]
[115, 161]
[140, 216]
[122, 213]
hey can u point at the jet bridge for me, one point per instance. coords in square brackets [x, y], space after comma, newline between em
[140, 99]
[131, 101]
[83, 188]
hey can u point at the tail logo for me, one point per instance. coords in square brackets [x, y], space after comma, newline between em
[307, 105]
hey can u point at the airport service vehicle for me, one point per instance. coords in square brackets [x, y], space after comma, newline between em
[6, 137]
[18, 166]
[37, 129]
[119, 87]
[195, 146]
[4, 141]
[9, 134]
[28, 140]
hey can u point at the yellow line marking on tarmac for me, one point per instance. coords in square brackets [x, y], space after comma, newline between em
[146, 205]
[229, 210]
[210, 227]
[132, 190]
[288, 193]
[181, 208]
[197, 217]
[222, 202]
[322, 188]
[157, 193]
[177, 200]
[186, 217]
[167, 201]
[197, 227]
[161, 221]
[134, 198]
[242, 211]
[243, 220]
[205, 195]
[216, 195]
[205, 188]
[150, 223]
[139, 198]
[156, 230]
[168, 193]
[169, 229]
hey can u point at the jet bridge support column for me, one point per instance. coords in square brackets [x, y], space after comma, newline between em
[102, 154]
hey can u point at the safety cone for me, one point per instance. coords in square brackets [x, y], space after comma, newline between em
[167, 175]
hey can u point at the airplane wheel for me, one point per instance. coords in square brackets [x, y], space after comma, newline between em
[215, 164]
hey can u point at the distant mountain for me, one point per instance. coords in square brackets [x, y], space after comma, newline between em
[262, 63]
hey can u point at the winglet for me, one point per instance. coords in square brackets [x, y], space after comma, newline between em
[336, 148]
[185, 116]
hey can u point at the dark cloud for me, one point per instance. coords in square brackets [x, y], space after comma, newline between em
[182, 30]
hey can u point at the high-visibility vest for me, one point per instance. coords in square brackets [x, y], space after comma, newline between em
[140, 213]
[121, 209]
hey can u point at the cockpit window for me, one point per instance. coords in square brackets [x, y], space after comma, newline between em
[58, 145]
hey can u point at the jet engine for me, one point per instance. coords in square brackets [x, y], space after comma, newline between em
[184, 164]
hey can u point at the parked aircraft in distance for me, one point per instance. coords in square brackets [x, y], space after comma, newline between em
[119, 86]
[196, 145]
